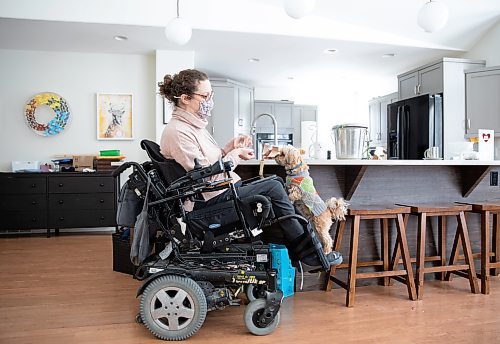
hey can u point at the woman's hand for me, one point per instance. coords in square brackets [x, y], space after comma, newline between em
[240, 141]
[245, 153]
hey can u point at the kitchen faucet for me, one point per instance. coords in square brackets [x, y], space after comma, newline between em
[275, 125]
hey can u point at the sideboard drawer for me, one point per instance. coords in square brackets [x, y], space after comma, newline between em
[88, 201]
[81, 184]
[23, 220]
[19, 185]
[81, 218]
[27, 202]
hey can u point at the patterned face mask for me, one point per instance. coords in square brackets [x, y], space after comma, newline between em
[205, 107]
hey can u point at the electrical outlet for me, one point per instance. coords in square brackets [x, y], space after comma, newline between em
[494, 178]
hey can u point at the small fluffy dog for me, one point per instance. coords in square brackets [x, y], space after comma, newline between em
[302, 193]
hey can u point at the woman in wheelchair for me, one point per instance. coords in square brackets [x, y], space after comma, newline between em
[185, 139]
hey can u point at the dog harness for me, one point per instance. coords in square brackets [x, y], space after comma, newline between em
[310, 196]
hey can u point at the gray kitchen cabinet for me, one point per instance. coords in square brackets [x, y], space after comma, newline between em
[445, 76]
[282, 110]
[302, 113]
[378, 118]
[426, 80]
[482, 100]
[233, 111]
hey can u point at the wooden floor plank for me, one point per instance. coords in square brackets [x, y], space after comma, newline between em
[63, 290]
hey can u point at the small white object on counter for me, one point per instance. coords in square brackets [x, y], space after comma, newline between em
[486, 145]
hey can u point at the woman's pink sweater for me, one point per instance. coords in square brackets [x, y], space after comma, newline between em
[185, 138]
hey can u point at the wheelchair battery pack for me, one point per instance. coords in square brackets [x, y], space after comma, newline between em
[286, 273]
[121, 255]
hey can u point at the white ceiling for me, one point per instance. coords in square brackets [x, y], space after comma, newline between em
[229, 32]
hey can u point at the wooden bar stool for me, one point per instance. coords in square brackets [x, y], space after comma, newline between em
[384, 214]
[423, 211]
[490, 259]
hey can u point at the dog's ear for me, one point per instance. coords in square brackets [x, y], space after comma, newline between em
[302, 151]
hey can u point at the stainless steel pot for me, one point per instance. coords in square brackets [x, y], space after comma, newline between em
[349, 140]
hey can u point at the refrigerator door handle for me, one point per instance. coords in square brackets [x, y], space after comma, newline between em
[405, 148]
[399, 126]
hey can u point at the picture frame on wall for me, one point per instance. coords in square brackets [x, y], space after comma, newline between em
[115, 116]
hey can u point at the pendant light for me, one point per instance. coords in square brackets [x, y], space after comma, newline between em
[433, 16]
[178, 30]
[299, 8]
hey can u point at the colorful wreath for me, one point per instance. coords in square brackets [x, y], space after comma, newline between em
[61, 110]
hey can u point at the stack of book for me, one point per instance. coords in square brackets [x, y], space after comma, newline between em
[108, 161]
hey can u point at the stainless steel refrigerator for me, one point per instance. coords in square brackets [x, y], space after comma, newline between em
[413, 125]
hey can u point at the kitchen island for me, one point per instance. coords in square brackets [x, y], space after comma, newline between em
[396, 181]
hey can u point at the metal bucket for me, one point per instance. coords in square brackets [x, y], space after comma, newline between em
[349, 140]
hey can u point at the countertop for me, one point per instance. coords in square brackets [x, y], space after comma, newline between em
[321, 162]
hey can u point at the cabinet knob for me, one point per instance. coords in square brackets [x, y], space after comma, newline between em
[33, 185]
[34, 202]
[101, 201]
[61, 218]
[33, 219]
[102, 217]
[61, 185]
[61, 201]
[101, 184]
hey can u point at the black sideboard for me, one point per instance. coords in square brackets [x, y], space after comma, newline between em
[57, 200]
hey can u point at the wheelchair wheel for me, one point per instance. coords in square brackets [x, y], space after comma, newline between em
[254, 310]
[173, 307]
[254, 292]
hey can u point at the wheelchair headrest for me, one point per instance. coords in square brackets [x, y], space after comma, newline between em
[169, 169]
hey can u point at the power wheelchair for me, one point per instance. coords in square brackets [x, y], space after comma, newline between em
[206, 258]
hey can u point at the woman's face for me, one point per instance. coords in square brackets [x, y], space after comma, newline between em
[203, 92]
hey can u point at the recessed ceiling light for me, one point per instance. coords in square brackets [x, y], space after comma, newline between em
[330, 51]
[389, 55]
[120, 38]
[254, 59]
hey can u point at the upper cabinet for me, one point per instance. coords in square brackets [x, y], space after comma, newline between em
[445, 76]
[482, 99]
[427, 80]
[281, 110]
[233, 111]
[378, 118]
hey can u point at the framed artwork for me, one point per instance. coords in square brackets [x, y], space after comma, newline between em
[114, 116]
[58, 117]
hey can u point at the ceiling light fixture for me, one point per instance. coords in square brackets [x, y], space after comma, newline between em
[330, 51]
[254, 59]
[389, 55]
[178, 30]
[433, 16]
[120, 38]
[299, 8]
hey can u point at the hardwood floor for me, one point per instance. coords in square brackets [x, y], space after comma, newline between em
[63, 290]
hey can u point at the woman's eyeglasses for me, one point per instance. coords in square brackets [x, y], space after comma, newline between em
[205, 96]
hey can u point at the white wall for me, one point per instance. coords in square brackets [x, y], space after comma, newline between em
[168, 62]
[487, 48]
[77, 77]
